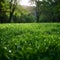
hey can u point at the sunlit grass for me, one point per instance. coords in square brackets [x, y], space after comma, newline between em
[30, 41]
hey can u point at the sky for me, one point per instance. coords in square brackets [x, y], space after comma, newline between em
[25, 2]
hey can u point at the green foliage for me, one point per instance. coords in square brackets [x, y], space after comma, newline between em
[43, 18]
[2, 11]
[44, 11]
[30, 41]
[14, 13]
[27, 18]
[50, 8]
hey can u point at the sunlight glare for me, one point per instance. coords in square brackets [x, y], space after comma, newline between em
[25, 2]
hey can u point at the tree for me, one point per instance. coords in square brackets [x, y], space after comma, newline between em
[2, 11]
[13, 4]
[37, 3]
[56, 11]
[48, 10]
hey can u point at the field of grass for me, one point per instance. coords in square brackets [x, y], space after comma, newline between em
[30, 41]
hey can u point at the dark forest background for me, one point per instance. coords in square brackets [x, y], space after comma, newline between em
[44, 11]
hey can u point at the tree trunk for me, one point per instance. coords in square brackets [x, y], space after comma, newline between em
[37, 11]
[12, 9]
[37, 16]
[11, 14]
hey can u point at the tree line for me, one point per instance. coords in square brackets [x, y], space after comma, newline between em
[46, 11]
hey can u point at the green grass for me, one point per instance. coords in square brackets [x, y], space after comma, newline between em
[30, 41]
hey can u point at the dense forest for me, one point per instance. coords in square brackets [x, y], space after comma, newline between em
[43, 11]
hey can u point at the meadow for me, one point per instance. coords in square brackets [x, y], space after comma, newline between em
[30, 41]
